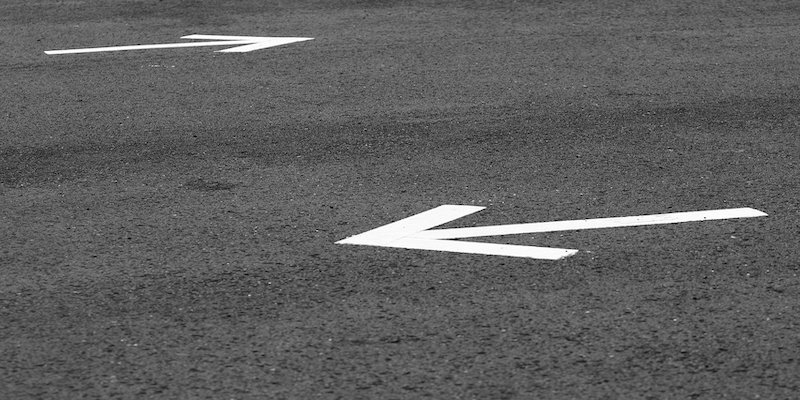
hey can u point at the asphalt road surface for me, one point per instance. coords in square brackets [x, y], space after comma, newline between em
[169, 218]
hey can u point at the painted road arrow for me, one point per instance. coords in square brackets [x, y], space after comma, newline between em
[415, 232]
[242, 44]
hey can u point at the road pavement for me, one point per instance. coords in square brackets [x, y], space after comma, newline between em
[169, 218]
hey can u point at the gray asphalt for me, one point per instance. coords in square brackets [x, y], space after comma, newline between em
[168, 218]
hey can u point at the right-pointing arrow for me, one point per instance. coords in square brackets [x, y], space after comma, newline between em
[414, 232]
[242, 44]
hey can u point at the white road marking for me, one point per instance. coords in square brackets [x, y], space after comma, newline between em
[414, 232]
[242, 44]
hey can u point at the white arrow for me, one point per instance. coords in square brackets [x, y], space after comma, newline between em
[414, 232]
[243, 44]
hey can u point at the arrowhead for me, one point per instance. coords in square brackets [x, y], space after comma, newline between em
[407, 234]
[250, 42]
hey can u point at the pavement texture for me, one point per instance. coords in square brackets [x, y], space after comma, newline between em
[168, 218]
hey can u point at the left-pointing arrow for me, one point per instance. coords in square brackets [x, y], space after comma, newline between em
[415, 232]
[242, 44]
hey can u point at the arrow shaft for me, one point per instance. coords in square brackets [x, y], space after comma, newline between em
[249, 39]
[151, 46]
[596, 223]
